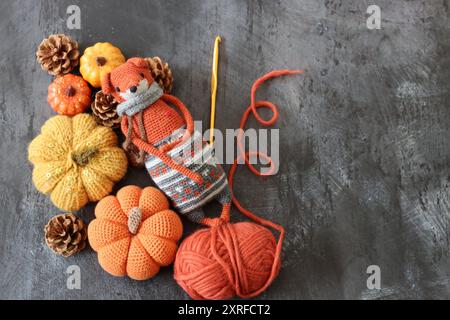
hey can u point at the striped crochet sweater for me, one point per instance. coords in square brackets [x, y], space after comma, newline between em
[198, 157]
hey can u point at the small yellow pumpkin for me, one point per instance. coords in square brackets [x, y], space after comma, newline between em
[76, 161]
[99, 59]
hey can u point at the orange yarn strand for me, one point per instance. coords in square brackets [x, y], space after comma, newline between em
[254, 105]
[253, 109]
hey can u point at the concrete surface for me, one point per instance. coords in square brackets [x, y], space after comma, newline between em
[365, 159]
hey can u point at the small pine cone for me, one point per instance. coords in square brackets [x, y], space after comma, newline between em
[161, 73]
[66, 234]
[104, 110]
[58, 54]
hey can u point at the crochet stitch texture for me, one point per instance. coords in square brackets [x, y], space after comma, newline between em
[135, 233]
[153, 126]
[76, 161]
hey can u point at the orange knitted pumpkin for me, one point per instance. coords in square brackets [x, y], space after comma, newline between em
[135, 233]
[69, 95]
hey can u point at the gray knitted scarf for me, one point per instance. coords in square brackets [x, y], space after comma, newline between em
[140, 102]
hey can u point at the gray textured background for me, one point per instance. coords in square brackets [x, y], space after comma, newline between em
[364, 177]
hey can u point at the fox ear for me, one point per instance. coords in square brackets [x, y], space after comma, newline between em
[107, 87]
[138, 62]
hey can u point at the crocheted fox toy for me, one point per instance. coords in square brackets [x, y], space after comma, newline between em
[180, 163]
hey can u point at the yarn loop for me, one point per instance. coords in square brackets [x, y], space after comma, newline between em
[227, 260]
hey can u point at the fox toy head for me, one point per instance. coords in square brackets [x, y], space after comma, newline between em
[128, 80]
[133, 87]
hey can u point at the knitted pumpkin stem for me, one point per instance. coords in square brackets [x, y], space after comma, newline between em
[84, 157]
[134, 219]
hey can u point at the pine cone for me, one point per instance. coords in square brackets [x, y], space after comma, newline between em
[58, 54]
[161, 73]
[104, 110]
[66, 234]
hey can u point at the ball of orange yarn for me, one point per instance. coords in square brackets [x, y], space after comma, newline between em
[228, 260]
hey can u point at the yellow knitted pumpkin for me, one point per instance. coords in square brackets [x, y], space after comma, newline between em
[76, 161]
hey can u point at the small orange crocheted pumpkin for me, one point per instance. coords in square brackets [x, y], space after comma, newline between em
[69, 95]
[135, 233]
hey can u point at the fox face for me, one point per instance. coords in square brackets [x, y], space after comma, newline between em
[128, 80]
